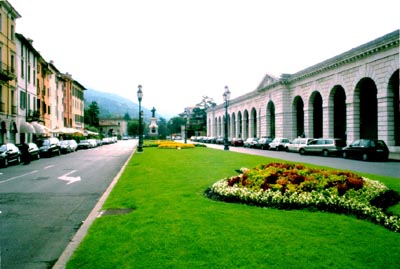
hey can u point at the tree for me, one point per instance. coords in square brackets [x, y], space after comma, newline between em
[127, 117]
[91, 117]
[162, 128]
[175, 125]
[133, 127]
[197, 123]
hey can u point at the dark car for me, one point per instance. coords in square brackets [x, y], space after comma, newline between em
[84, 144]
[237, 142]
[33, 149]
[65, 147]
[9, 153]
[49, 147]
[367, 149]
[263, 143]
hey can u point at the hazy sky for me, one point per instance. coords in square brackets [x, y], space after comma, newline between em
[180, 50]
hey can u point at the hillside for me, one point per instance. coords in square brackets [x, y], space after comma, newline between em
[112, 105]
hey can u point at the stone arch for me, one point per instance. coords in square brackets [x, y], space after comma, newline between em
[234, 125]
[219, 126]
[394, 90]
[366, 92]
[253, 123]
[315, 115]
[271, 119]
[240, 124]
[245, 124]
[337, 105]
[298, 116]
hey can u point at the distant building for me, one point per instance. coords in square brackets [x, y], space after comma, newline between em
[113, 127]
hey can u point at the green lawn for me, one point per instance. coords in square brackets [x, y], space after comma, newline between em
[174, 226]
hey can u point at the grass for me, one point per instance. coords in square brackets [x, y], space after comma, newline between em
[174, 226]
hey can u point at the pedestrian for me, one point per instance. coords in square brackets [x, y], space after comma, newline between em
[25, 153]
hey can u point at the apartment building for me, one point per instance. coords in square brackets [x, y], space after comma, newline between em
[36, 99]
[8, 85]
[27, 58]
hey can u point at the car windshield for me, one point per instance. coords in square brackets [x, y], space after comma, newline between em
[41, 143]
[3, 148]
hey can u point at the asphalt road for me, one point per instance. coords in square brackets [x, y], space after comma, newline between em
[43, 204]
[390, 168]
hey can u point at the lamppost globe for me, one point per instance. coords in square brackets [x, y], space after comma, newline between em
[140, 96]
[226, 96]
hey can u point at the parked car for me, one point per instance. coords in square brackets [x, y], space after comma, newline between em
[65, 147]
[73, 144]
[263, 143]
[33, 149]
[84, 144]
[297, 144]
[9, 153]
[324, 146]
[250, 142]
[367, 149]
[49, 147]
[237, 142]
[278, 143]
[93, 143]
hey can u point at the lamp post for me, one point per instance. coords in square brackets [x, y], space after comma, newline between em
[186, 120]
[227, 96]
[140, 96]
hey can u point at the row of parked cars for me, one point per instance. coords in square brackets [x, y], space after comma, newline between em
[46, 147]
[365, 149]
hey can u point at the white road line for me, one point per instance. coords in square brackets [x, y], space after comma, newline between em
[12, 178]
[47, 167]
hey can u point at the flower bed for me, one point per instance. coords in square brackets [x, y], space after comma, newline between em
[174, 145]
[295, 186]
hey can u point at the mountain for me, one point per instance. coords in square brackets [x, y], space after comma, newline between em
[112, 105]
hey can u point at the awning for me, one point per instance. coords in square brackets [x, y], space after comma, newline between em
[27, 128]
[39, 128]
[87, 132]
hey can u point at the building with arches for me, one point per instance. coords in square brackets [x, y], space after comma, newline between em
[352, 95]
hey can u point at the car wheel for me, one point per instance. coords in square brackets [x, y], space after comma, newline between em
[59, 152]
[5, 162]
[365, 157]
[325, 153]
[344, 154]
[19, 159]
[38, 156]
[302, 152]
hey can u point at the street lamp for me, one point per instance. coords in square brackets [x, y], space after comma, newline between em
[186, 120]
[227, 96]
[140, 96]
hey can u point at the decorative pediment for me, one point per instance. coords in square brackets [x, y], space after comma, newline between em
[267, 80]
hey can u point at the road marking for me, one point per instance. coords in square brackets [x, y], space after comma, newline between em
[70, 179]
[12, 178]
[47, 167]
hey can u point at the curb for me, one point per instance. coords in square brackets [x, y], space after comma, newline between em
[81, 233]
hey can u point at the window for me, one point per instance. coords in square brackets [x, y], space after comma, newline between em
[12, 37]
[12, 63]
[1, 23]
[22, 100]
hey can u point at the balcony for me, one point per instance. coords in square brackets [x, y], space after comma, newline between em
[6, 72]
[34, 115]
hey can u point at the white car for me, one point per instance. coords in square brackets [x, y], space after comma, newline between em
[278, 143]
[297, 144]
